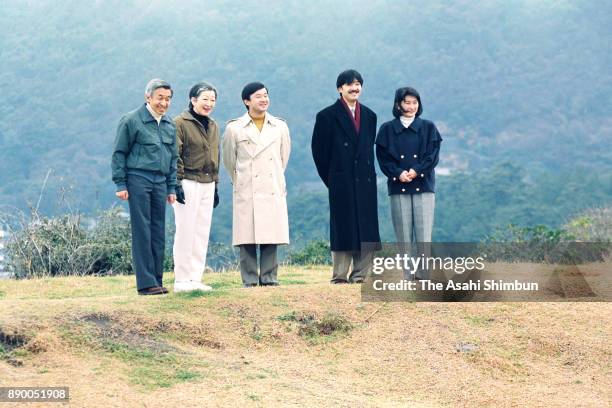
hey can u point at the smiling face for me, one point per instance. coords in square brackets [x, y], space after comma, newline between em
[258, 102]
[350, 92]
[204, 103]
[159, 100]
[409, 106]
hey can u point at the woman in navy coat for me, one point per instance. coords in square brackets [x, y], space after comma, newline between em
[407, 149]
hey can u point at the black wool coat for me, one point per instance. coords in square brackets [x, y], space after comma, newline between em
[345, 163]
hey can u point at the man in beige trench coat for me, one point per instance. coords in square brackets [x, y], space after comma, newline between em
[255, 151]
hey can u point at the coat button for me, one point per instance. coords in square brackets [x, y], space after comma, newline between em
[402, 156]
[417, 189]
[394, 178]
[345, 143]
[403, 190]
[355, 161]
[415, 156]
[356, 179]
[369, 180]
[422, 175]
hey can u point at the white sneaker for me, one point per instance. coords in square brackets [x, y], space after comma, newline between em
[183, 286]
[200, 286]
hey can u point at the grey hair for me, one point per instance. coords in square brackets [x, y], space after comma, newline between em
[198, 88]
[157, 83]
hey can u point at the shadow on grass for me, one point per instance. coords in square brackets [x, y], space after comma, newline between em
[151, 361]
[194, 294]
[292, 281]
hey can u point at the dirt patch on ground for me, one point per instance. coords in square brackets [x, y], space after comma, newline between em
[146, 332]
[17, 342]
[309, 325]
[105, 327]
[12, 340]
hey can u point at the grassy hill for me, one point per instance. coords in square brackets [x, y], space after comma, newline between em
[305, 343]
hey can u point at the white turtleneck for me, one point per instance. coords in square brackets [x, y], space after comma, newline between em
[406, 121]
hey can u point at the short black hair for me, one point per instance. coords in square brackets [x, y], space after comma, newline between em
[250, 89]
[347, 77]
[402, 93]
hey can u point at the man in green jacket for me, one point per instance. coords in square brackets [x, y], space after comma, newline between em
[144, 171]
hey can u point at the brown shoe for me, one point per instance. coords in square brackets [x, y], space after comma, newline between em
[164, 289]
[155, 290]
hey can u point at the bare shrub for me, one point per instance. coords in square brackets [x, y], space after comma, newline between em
[40, 246]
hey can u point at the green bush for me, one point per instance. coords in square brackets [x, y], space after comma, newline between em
[593, 225]
[315, 252]
[542, 244]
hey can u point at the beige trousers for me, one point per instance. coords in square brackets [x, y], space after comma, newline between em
[193, 220]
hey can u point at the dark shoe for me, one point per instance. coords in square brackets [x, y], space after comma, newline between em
[165, 290]
[249, 285]
[338, 281]
[358, 280]
[269, 284]
[155, 290]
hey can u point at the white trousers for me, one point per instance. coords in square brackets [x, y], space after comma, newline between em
[192, 221]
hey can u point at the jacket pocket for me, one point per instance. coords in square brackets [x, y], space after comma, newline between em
[168, 137]
[149, 157]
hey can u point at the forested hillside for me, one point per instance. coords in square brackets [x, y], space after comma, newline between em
[521, 92]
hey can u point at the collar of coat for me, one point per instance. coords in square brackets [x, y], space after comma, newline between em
[188, 116]
[245, 120]
[146, 116]
[346, 120]
[415, 125]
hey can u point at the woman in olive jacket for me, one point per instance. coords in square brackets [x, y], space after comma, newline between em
[407, 149]
[197, 137]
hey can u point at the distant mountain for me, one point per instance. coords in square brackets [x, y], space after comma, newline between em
[526, 83]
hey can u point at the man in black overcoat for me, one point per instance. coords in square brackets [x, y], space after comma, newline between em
[343, 150]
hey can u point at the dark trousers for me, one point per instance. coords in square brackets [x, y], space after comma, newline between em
[147, 216]
[268, 264]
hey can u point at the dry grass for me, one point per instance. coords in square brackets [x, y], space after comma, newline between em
[297, 345]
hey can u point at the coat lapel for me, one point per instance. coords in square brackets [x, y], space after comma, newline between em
[267, 135]
[187, 115]
[342, 117]
[259, 140]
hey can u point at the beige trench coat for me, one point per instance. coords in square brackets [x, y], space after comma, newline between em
[256, 163]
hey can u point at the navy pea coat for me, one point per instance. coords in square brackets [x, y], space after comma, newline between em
[415, 147]
[345, 163]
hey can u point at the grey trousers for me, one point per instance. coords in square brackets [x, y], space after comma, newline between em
[412, 216]
[268, 264]
[362, 265]
[147, 202]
